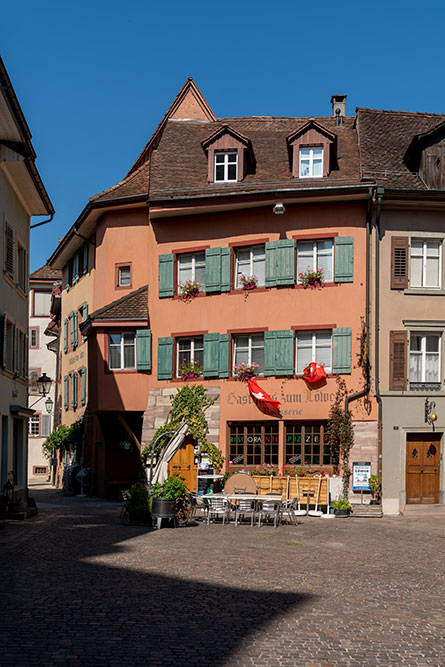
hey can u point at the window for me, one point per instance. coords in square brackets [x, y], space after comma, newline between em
[192, 267]
[226, 166]
[314, 346]
[311, 162]
[33, 376]
[314, 255]
[20, 353]
[9, 351]
[34, 426]
[251, 262]
[34, 337]
[426, 264]
[42, 301]
[249, 350]
[189, 350]
[21, 268]
[424, 361]
[253, 444]
[124, 276]
[121, 351]
[9, 250]
[307, 444]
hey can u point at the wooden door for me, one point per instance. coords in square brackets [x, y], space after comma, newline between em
[422, 468]
[183, 464]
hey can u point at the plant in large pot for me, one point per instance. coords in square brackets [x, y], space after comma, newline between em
[341, 507]
[137, 503]
[168, 498]
[375, 484]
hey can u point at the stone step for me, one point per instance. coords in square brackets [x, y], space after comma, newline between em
[423, 510]
[369, 511]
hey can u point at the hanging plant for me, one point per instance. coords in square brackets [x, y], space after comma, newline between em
[244, 372]
[189, 289]
[311, 278]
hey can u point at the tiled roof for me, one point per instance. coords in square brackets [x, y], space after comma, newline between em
[134, 184]
[46, 273]
[133, 306]
[179, 165]
[384, 138]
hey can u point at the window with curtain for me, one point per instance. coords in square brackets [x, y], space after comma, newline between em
[42, 301]
[121, 351]
[314, 255]
[311, 162]
[248, 350]
[426, 263]
[192, 266]
[189, 351]
[313, 346]
[251, 262]
[424, 360]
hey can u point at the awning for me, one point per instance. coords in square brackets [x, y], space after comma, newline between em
[21, 411]
[160, 473]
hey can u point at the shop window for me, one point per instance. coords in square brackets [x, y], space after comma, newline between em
[424, 361]
[190, 355]
[426, 264]
[249, 350]
[121, 351]
[192, 266]
[253, 444]
[315, 255]
[307, 444]
[313, 346]
[251, 262]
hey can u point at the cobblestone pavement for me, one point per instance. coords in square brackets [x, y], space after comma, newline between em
[80, 587]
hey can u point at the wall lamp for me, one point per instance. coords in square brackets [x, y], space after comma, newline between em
[279, 208]
[430, 415]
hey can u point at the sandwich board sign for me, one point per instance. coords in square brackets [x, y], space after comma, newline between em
[361, 472]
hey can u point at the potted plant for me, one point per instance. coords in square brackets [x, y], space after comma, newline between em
[311, 278]
[245, 371]
[375, 484]
[190, 369]
[341, 507]
[189, 289]
[165, 497]
[266, 470]
[136, 501]
[248, 282]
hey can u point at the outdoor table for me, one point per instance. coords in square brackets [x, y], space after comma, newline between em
[307, 493]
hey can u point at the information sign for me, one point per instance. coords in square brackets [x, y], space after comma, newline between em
[361, 472]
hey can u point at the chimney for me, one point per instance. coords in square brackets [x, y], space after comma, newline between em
[338, 108]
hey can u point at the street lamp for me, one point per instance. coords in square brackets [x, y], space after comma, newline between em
[44, 384]
[49, 405]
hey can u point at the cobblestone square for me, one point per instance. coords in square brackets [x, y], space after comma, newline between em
[81, 587]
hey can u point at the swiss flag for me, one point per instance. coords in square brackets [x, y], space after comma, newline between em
[260, 397]
[314, 372]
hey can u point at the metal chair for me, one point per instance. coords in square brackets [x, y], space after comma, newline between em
[289, 508]
[217, 507]
[243, 507]
[268, 508]
[197, 503]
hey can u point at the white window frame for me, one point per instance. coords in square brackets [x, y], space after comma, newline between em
[122, 367]
[227, 155]
[424, 262]
[314, 334]
[34, 310]
[193, 345]
[34, 421]
[249, 348]
[311, 160]
[315, 255]
[422, 353]
[194, 262]
[251, 265]
[30, 333]
[120, 270]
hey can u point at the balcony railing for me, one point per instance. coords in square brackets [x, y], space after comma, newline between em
[425, 386]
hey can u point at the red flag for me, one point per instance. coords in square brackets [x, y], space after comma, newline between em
[260, 396]
[314, 372]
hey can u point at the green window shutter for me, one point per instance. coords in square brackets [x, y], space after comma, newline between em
[66, 392]
[224, 355]
[83, 385]
[271, 261]
[65, 334]
[285, 262]
[341, 350]
[71, 319]
[211, 355]
[344, 259]
[213, 269]
[76, 267]
[270, 346]
[84, 312]
[85, 259]
[143, 349]
[75, 329]
[74, 387]
[166, 275]
[226, 256]
[165, 358]
[67, 276]
[284, 352]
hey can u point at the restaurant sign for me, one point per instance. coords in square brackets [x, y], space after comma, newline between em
[361, 472]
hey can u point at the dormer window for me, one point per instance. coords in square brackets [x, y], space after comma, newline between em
[226, 166]
[311, 162]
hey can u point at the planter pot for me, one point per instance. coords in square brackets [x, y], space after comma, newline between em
[375, 502]
[341, 513]
[163, 508]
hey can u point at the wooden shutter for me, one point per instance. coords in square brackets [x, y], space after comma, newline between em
[45, 426]
[285, 262]
[76, 267]
[75, 329]
[143, 349]
[270, 341]
[65, 334]
[343, 259]
[2, 341]
[66, 392]
[9, 250]
[213, 269]
[166, 276]
[224, 355]
[211, 355]
[85, 259]
[399, 262]
[74, 389]
[279, 352]
[341, 350]
[83, 385]
[398, 352]
[226, 256]
[165, 358]
[271, 260]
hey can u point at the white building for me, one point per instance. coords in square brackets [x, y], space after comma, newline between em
[22, 195]
[41, 360]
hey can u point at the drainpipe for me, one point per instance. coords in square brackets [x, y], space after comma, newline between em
[363, 392]
[44, 222]
[379, 195]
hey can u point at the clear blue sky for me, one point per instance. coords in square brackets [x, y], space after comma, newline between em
[95, 77]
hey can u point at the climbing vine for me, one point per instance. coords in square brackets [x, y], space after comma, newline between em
[64, 437]
[341, 433]
[189, 404]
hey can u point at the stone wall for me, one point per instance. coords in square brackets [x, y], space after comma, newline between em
[158, 408]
